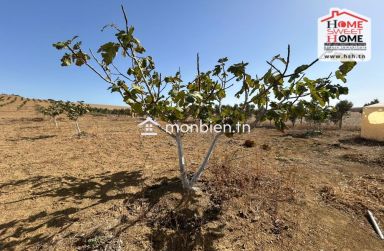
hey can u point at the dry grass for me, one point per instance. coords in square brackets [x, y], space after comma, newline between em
[114, 190]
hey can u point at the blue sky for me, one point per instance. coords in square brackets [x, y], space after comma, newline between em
[173, 31]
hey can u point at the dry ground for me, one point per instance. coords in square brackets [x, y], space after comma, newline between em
[114, 190]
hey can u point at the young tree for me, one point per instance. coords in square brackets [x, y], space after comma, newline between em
[293, 115]
[170, 99]
[316, 113]
[54, 110]
[301, 111]
[74, 111]
[340, 111]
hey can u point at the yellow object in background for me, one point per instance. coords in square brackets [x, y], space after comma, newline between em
[376, 117]
[372, 125]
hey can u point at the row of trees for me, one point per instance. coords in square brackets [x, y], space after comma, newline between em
[73, 111]
[314, 113]
[9, 101]
[310, 111]
[22, 104]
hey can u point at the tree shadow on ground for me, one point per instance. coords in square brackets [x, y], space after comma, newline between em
[361, 141]
[70, 188]
[33, 138]
[177, 221]
[303, 134]
[99, 189]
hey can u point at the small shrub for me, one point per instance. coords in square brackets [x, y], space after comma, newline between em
[249, 143]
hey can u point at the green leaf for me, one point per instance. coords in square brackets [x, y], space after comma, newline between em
[130, 71]
[238, 69]
[80, 58]
[136, 108]
[301, 68]
[66, 60]
[197, 95]
[317, 97]
[178, 109]
[114, 88]
[277, 57]
[77, 46]
[136, 89]
[221, 94]
[346, 67]
[340, 76]
[222, 60]
[129, 101]
[343, 90]
[139, 49]
[267, 76]
[108, 52]
[59, 45]
[190, 99]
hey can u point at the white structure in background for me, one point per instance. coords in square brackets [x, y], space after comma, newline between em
[372, 124]
[148, 127]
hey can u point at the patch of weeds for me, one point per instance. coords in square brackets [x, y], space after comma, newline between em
[99, 241]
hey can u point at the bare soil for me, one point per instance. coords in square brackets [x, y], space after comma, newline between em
[112, 189]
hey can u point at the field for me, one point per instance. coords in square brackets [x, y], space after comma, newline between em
[112, 189]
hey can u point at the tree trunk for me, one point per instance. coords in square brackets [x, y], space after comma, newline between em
[203, 165]
[77, 128]
[55, 120]
[180, 154]
[340, 123]
[259, 116]
[189, 183]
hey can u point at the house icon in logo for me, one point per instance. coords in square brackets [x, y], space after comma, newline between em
[336, 13]
[148, 127]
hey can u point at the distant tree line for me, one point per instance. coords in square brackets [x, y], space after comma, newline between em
[309, 111]
[106, 111]
[74, 111]
[375, 101]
